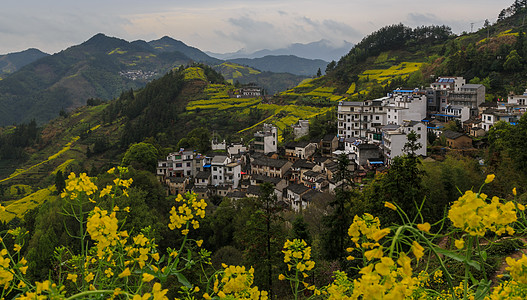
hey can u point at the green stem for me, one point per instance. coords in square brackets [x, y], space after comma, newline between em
[87, 293]
[467, 259]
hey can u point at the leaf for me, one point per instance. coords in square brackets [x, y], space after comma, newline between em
[483, 288]
[458, 257]
[183, 280]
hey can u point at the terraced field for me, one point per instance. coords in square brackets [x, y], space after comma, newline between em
[19, 207]
[403, 69]
[287, 115]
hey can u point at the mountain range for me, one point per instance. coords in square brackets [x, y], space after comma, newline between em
[323, 49]
[37, 86]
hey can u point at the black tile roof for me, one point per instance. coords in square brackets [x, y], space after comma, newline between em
[298, 188]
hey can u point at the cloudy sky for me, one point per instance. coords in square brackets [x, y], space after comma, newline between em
[226, 25]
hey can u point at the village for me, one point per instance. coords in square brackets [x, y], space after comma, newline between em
[370, 134]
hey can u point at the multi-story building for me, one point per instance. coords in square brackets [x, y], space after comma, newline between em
[405, 105]
[448, 92]
[437, 93]
[179, 164]
[356, 118]
[225, 172]
[395, 137]
[270, 167]
[266, 140]
[301, 129]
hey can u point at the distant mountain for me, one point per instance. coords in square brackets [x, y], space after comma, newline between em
[322, 49]
[101, 67]
[284, 64]
[10, 63]
[168, 44]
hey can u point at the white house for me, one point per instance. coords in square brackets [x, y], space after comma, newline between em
[266, 140]
[395, 137]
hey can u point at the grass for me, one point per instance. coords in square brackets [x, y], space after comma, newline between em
[116, 50]
[194, 73]
[19, 207]
[64, 149]
[63, 166]
[403, 69]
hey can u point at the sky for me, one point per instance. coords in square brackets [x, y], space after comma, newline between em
[224, 26]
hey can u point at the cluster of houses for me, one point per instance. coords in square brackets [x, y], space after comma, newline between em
[375, 131]
[300, 172]
[371, 133]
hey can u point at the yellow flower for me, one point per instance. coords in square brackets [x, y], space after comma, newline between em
[424, 227]
[125, 273]
[281, 277]
[206, 296]
[521, 207]
[184, 231]
[111, 170]
[89, 277]
[350, 257]
[155, 256]
[490, 178]
[460, 243]
[147, 277]
[72, 277]
[379, 234]
[418, 250]
[158, 292]
[17, 247]
[514, 192]
[390, 205]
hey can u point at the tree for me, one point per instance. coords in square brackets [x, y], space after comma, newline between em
[319, 72]
[411, 145]
[60, 182]
[262, 237]
[339, 220]
[141, 156]
[513, 62]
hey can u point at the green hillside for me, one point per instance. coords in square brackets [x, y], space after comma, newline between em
[194, 101]
[12, 62]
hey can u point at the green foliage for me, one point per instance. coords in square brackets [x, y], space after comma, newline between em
[141, 156]
[197, 139]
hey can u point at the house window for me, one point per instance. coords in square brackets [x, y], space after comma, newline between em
[214, 169]
[376, 117]
[214, 177]
[188, 164]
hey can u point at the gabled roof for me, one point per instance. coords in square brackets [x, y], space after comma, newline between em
[203, 175]
[311, 195]
[328, 137]
[236, 195]
[367, 146]
[265, 161]
[220, 159]
[311, 174]
[452, 135]
[298, 188]
[263, 178]
[303, 164]
[253, 190]
[177, 179]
